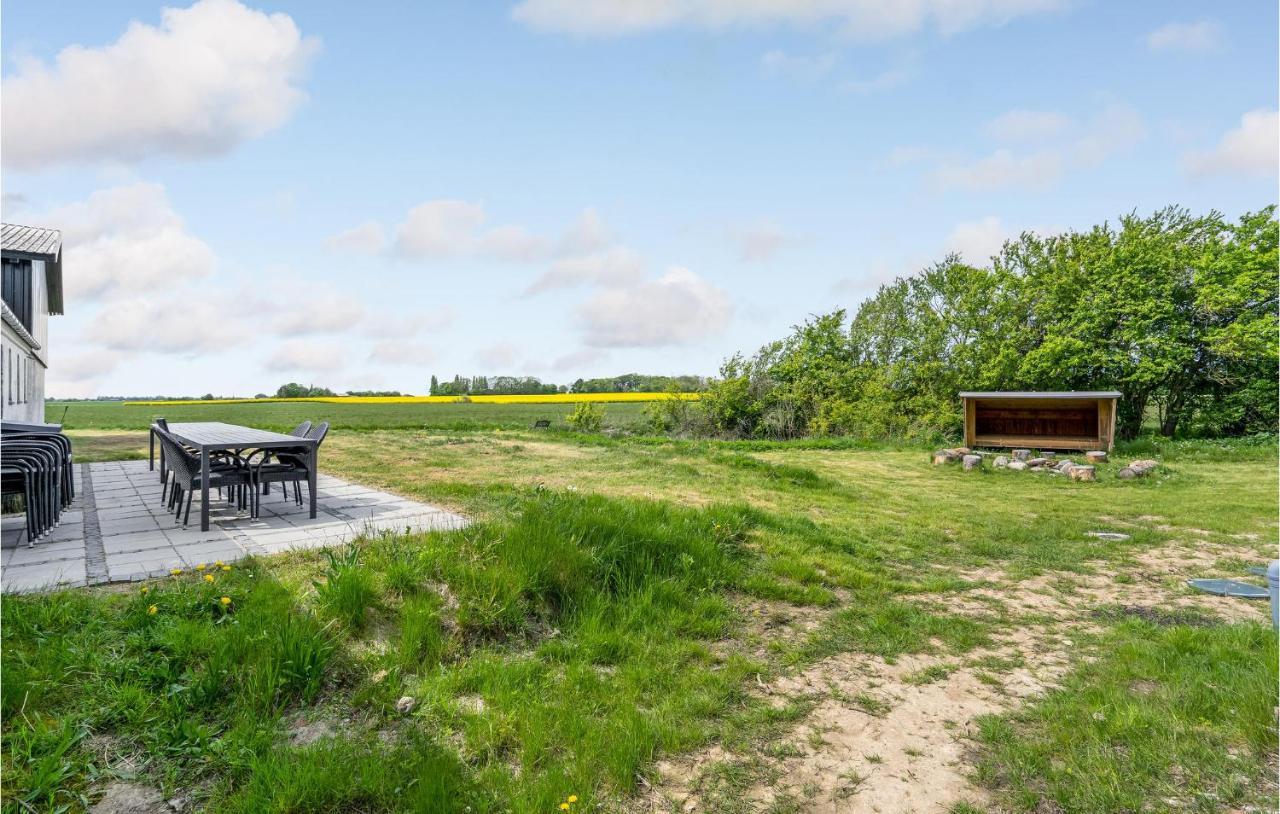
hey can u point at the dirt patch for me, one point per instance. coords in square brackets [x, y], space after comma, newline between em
[130, 798]
[893, 737]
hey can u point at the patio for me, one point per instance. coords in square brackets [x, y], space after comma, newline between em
[117, 530]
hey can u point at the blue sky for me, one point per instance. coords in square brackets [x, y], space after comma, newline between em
[258, 193]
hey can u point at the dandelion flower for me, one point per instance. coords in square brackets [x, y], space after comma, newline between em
[152, 610]
[200, 566]
[226, 600]
[564, 806]
[176, 571]
[144, 590]
[226, 568]
[573, 798]
[208, 577]
[218, 563]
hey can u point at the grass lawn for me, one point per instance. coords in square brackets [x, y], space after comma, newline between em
[638, 623]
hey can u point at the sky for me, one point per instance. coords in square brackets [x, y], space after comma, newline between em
[262, 192]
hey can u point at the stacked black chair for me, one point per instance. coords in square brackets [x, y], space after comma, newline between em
[185, 468]
[36, 462]
[288, 465]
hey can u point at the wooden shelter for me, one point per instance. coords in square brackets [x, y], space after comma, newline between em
[1083, 420]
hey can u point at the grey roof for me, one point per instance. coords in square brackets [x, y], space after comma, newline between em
[34, 243]
[1040, 394]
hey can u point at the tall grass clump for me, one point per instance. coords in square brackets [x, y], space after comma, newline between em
[346, 589]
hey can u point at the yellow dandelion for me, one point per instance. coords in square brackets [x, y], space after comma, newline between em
[200, 566]
[218, 563]
[573, 798]
[226, 568]
[208, 577]
[152, 610]
[176, 571]
[564, 806]
[226, 600]
[144, 590]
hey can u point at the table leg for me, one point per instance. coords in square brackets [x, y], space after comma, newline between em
[151, 449]
[311, 477]
[204, 488]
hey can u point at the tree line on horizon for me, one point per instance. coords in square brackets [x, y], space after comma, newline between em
[1176, 311]
[531, 385]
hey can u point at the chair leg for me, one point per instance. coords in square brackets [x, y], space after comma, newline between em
[187, 516]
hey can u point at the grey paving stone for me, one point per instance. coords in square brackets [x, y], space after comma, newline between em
[131, 525]
[48, 575]
[162, 554]
[121, 543]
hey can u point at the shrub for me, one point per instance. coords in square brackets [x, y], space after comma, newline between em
[586, 417]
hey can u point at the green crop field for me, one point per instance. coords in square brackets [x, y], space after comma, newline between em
[641, 624]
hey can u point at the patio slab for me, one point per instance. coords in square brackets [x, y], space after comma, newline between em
[122, 531]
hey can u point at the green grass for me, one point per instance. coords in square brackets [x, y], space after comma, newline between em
[281, 416]
[589, 624]
[1169, 718]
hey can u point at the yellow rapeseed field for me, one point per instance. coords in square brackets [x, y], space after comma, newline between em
[552, 398]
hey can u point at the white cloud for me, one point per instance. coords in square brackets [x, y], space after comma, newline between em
[84, 366]
[209, 77]
[204, 322]
[1002, 169]
[759, 242]
[1115, 129]
[322, 310]
[862, 19]
[126, 240]
[367, 238]
[1027, 125]
[1202, 36]
[304, 356]
[677, 308]
[1248, 149]
[574, 361]
[976, 241]
[616, 266]
[589, 233]
[390, 326]
[501, 355]
[514, 243]
[885, 80]
[800, 68]
[439, 228]
[395, 352]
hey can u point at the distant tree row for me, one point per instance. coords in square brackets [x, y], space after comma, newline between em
[1176, 311]
[293, 390]
[529, 385]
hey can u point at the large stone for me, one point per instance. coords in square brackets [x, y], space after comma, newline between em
[972, 462]
[129, 798]
[1064, 466]
[944, 456]
[1126, 474]
[1017, 466]
[1021, 454]
[1096, 456]
[961, 450]
[1143, 466]
[1000, 462]
[406, 704]
[1037, 462]
[1083, 473]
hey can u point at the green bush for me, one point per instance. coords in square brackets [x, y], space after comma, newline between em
[586, 417]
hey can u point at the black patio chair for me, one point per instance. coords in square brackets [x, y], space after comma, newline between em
[61, 445]
[36, 466]
[186, 478]
[287, 465]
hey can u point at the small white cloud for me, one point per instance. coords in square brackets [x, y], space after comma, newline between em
[440, 228]
[127, 240]
[499, 356]
[677, 308]
[1002, 169]
[513, 243]
[209, 77]
[761, 241]
[1115, 129]
[1027, 125]
[367, 238]
[617, 266]
[800, 68]
[304, 356]
[1201, 37]
[885, 80]
[854, 18]
[575, 361]
[1248, 149]
[589, 233]
[977, 241]
[396, 352]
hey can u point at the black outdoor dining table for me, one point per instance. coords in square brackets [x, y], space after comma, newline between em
[214, 436]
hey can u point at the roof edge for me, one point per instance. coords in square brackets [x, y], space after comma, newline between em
[1041, 394]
